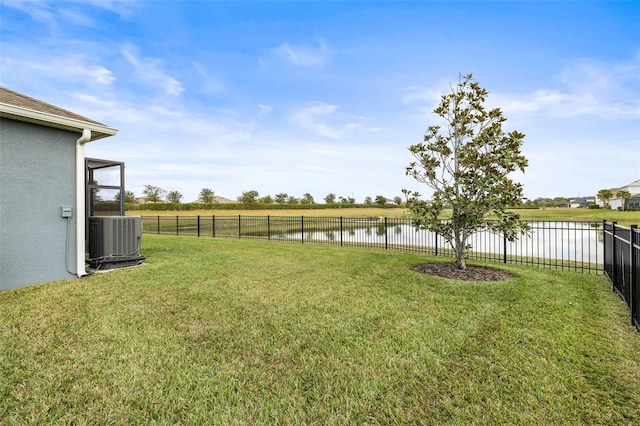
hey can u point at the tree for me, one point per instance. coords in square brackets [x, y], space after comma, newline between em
[249, 197]
[174, 197]
[605, 195]
[397, 200]
[330, 198]
[307, 199]
[153, 194]
[129, 197]
[623, 194]
[381, 200]
[281, 198]
[367, 200]
[467, 167]
[266, 199]
[292, 200]
[207, 196]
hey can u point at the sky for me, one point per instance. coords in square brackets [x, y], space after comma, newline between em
[325, 97]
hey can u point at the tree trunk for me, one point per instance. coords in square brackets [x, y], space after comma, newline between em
[461, 253]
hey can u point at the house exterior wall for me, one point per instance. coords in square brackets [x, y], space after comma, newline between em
[37, 178]
[614, 203]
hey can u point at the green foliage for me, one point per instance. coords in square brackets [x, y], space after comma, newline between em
[368, 200]
[346, 200]
[307, 199]
[623, 194]
[207, 196]
[249, 197]
[266, 199]
[605, 195]
[381, 200]
[467, 166]
[129, 197]
[330, 198]
[248, 207]
[174, 197]
[153, 193]
[281, 198]
[593, 206]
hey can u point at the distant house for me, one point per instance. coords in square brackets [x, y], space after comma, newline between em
[42, 190]
[222, 200]
[581, 202]
[631, 203]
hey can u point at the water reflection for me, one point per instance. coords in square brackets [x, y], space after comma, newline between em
[570, 241]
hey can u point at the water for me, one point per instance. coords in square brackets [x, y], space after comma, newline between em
[567, 241]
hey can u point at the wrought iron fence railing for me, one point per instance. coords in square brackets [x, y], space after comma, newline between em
[563, 245]
[622, 264]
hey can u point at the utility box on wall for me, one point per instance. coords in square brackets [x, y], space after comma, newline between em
[114, 241]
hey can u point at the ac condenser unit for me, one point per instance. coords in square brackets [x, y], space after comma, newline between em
[114, 241]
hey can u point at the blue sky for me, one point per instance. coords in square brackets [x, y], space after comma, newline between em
[325, 97]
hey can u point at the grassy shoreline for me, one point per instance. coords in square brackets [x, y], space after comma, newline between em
[240, 332]
[549, 214]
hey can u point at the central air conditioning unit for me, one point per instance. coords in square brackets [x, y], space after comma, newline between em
[114, 241]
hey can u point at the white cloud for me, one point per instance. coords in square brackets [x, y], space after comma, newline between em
[53, 65]
[608, 91]
[303, 56]
[264, 109]
[38, 11]
[149, 70]
[321, 120]
[76, 17]
[54, 16]
[210, 83]
[559, 104]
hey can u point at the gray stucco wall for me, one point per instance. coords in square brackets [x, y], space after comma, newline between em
[37, 178]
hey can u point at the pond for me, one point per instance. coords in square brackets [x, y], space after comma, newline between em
[569, 241]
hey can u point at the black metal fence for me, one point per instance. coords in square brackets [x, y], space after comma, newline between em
[576, 246]
[622, 264]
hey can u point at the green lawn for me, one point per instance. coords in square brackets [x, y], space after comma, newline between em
[222, 331]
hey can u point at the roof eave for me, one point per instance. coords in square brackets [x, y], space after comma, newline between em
[98, 131]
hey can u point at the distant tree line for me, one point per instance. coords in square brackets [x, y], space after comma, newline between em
[156, 195]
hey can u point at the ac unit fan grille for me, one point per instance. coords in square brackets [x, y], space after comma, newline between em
[114, 240]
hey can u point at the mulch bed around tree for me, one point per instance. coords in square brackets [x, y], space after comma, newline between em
[472, 273]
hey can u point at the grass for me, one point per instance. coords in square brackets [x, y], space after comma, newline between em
[548, 214]
[248, 332]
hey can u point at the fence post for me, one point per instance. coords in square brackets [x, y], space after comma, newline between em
[436, 243]
[340, 231]
[634, 277]
[614, 263]
[177, 224]
[386, 236]
[302, 228]
[504, 248]
[268, 227]
[158, 224]
[604, 246]
[213, 226]
[239, 228]
[198, 226]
